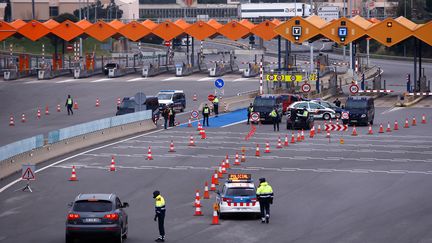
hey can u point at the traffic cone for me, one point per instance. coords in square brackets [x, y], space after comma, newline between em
[286, 140]
[423, 119]
[236, 161]
[112, 166]
[243, 157]
[46, 110]
[220, 174]
[171, 149]
[396, 125]
[215, 220]
[198, 210]
[354, 132]
[319, 128]
[118, 101]
[257, 151]
[406, 123]
[58, 108]
[337, 121]
[197, 197]
[381, 128]
[227, 163]
[370, 131]
[223, 167]
[279, 144]
[38, 113]
[341, 140]
[298, 137]
[73, 175]
[312, 132]
[414, 122]
[213, 187]
[203, 134]
[23, 118]
[189, 123]
[328, 134]
[97, 102]
[11, 121]
[149, 154]
[292, 138]
[191, 141]
[194, 97]
[199, 127]
[215, 178]
[388, 127]
[302, 135]
[206, 191]
[267, 148]
[75, 106]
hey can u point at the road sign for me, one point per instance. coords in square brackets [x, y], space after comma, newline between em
[296, 30]
[167, 43]
[194, 114]
[219, 83]
[270, 77]
[342, 31]
[28, 172]
[255, 116]
[140, 99]
[279, 77]
[313, 76]
[354, 88]
[306, 88]
[345, 115]
[336, 127]
[211, 97]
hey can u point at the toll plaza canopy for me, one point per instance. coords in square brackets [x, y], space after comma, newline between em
[297, 30]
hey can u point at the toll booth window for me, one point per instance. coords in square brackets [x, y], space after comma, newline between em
[297, 22]
[389, 40]
[343, 23]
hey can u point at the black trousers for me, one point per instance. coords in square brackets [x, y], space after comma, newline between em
[275, 124]
[216, 109]
[161, 221]
[205, 118]
[264, 208]
[171, 121]
[69, 109]
[248, 116]
[165, 123]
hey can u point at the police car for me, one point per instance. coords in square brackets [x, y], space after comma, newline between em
[175, 98]
[238, 195]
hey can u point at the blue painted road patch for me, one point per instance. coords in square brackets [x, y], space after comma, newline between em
[223, 119]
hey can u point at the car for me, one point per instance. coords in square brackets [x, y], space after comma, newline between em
[129, 105]
[332, 106]
[294, 121]
[95, 216]
[264, 104]
[361, 110]
[108, 66]
[318, 111]
[288, 99]
[238, 195]
[177, 98]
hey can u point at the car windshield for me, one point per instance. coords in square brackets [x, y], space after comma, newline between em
[352, 104]
[127, 104]
[92, 206]
[165, 96]
[264, 102]
[240, 192]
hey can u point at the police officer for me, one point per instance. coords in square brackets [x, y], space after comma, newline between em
[305, 113]
[265, 197]
[171, 116]
[160, 215]
[249, 112]
[216, 106]
[275, 118]
[337, 102]
[69, 104]
[206, 113]
[165, 114]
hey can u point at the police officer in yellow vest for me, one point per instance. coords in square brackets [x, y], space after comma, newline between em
[160, 215]
[265, 197]
[304, 114]
[275, 118]
[249, 112]
[216, 106]
[69, 104]
[206, 114]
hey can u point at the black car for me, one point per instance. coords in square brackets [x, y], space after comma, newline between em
[129, 105]
[95, 216]
[264, 104]
[295, 120]
[109, 66]
[361, 110]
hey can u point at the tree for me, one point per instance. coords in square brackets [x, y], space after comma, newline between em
[404, 7]
[66, 16]
[429, 6]
[97, 11]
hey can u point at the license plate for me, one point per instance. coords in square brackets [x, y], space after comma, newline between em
[92, 220]
[353, 120]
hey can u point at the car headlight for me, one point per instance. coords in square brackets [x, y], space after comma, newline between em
[363, 115]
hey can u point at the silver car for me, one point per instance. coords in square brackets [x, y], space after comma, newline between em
[318, 111]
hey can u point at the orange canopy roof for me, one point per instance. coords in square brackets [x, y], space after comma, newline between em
[135, 31]
[34, 30]
[265, 30]
[167, 30]
[18, 23]
[201, 30]
[234, 30]
[67, 30]
[149, 24]
[6, 30]
[100, 31]
[83, 24]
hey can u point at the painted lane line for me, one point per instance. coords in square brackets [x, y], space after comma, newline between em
[240, 79]
[33, 82]
[235, 123]
[66, 81]
[172, 78]
[100, 80]
[136, 79]
[205, 79]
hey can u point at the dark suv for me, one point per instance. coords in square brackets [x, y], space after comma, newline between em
[361, 110]
[96, 215]
[128, 105]
[264, 104]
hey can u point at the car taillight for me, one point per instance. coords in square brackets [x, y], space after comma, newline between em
[111, 216]
[73, 216]
[253, 200]
[226, 199]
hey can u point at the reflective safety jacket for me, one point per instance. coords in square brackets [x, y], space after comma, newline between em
[206, 110]
[216, 101]
[273, 113]
[69, 101]
[250, 109]
[159, 204]
[264, 192]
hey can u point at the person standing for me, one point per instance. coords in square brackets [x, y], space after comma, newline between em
[206, 114]
[265, 197]
[165, 114]
[69, 104]
[275, 119]
[171, 116]
[216, 106]
[160, 215]
[249, 112]
[337, 102]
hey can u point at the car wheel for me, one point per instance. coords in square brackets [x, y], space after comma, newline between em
[288, 126]
[326, 116]
[119, 237]
[222, 216]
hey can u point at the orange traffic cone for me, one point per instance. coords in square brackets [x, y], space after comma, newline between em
[337, 121]
[191, 141]
[58, 108]
[213, 187]
[423, 119]
[198, 210]
[118, 101]
[11, 121]
[257, 151]
[302, 136]
[97, 102]
[354, 132]
[223, 167]
[75, 106]
[286, 140]
[298, 137]
[319, 128]
[189, 123]
[220, 174]
[197, 198]
[370, 131]
[381, 128]
[328, 134]
[199, 127]
[227, 163]
[23, 118]
[279, 144]
[38, 113]
[194, 97]
[388, 127]
[292, 138]
[267, 148]
[215, 220]
[215, 178]
[236, 161]
[149, 154]
[243, 157]
[46, 110]
[406, 123]
[414, 122]
[73, 175]
[203, 134]
[396, 125]
[171, 149]
[112, 166]
[312, 132]
[206, 191]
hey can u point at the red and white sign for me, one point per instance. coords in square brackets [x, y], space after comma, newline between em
[167, 43]
[255, 116]
[28, 172]
[354, 88]
[376, 91]
[345, 115]
[306, 88]
[211, 97]
[336, 127]
[194, 114]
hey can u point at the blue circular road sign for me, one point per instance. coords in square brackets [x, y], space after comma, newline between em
[219, 83]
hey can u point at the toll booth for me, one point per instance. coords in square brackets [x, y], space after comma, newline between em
[152, 64]
[122, 65]
[220, 68]
[183, 69]
[17, 67]
[47, 70]
[92, 66]
[252, 70]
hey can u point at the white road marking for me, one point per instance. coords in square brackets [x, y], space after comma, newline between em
[172, 78]
[235, 123]
[392, 109]
[136, 79]
[33, 82]
[100, 80]
[240, 79]
[66, 81]
[206, 79]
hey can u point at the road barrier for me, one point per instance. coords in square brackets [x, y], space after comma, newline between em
[21, 146]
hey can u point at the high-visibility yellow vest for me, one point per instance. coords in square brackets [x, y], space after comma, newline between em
[206, 110]
[159, 202]
[69, 101]
[273, 113]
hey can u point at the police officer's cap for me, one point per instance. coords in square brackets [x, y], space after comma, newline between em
[262, 180]
[156, 193]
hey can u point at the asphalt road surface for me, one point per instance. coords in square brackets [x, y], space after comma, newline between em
[373, 188]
